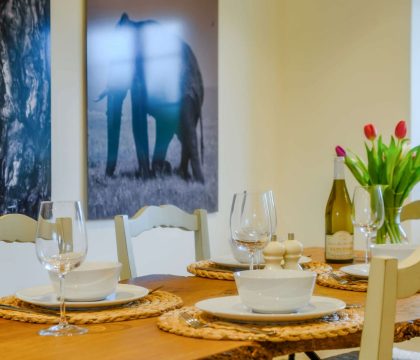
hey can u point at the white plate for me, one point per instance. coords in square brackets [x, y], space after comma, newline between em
[45, 296]
[230, 262]
[400, 251]
[357, 270]
[231, 307]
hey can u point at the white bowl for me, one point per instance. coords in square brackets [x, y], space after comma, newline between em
[399, 251]
[275, 291]
[92, 281]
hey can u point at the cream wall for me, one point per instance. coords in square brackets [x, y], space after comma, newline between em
[344, 64]
[296, 78]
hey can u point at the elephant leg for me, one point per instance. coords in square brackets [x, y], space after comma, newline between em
[164, 134]
[114, 111]
[188, 122]
[183, 167]
[139, 123]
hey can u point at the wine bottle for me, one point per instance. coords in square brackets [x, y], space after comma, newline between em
[338, 225]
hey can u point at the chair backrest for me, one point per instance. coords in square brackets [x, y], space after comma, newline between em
[17, 258]
[22, 228]
[150, 217]
[388, 281]
[411, 211]
[17, 228]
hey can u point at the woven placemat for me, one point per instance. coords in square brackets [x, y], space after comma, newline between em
[316, 266]
[341, 323]
[209, 269]
[151, 305]
[325, 279]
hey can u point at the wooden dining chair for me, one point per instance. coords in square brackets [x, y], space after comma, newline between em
[17, 228]
[388, 281]
[17, 238]
[410, 211]
[150, 217]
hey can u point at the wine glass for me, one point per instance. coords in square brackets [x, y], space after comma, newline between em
[368, 212]
[61, 246]
[250, 222]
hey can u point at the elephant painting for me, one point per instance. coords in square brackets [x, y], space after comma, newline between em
[164, 80]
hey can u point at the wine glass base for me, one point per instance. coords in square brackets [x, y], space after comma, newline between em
[63, 330]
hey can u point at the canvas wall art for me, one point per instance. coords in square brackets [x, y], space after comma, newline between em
[25, 115]
[152, 105]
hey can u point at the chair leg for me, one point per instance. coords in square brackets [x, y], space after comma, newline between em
[312, 355]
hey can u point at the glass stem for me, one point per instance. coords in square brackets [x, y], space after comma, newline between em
[63, 319]
[251, 260]
[367, 247]
[257, 260]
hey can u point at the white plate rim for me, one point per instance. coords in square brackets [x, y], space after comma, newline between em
[230, 261]
[248, 315]
[353, 271]
[137, 292]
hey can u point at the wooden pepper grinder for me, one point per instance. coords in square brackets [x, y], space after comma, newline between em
[273, 254]
[293, 252]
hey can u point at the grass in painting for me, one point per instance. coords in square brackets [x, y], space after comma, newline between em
[124, 193]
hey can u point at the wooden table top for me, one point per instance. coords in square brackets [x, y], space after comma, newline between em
[141, 339]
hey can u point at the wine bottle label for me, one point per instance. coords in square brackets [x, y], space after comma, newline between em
[339, 246]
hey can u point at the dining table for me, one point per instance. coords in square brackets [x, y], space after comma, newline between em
[142, 339]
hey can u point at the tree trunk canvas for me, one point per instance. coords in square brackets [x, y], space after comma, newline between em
[25, 115]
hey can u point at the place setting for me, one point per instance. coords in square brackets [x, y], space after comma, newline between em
[80, 292]
[355, 277]
[223, 267]
[91, 302]
[347, 278]
[273, 304]
[242, 253]
[264, 311]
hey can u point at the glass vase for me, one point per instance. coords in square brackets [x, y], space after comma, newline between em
[391, 231]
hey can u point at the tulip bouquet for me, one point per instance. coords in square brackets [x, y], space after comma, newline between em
[395, 166]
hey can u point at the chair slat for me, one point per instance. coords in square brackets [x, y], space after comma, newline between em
[409, 275]
[17, 228]
[410, 211]
[150, 217]
[388, 281]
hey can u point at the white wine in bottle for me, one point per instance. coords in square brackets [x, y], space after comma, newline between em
[338, 225]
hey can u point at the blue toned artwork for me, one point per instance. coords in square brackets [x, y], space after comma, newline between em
[25, 110]
[152, 105]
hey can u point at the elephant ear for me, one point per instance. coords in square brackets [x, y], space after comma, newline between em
[124, 19]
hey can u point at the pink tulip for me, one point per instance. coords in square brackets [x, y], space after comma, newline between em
[340, 151]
